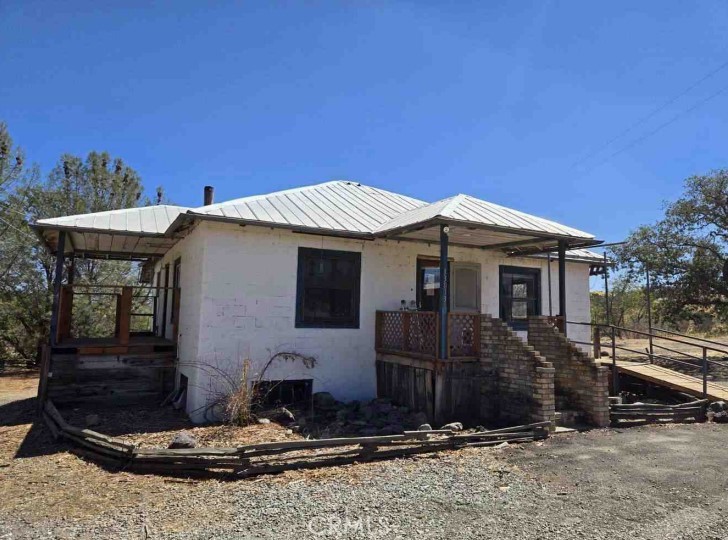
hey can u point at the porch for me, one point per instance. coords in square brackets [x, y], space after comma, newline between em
[109, 343]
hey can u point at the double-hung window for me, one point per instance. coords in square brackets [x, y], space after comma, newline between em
[328, 288]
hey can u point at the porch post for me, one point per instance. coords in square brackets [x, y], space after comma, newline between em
[444, 289]
[562, 282]
[57, 281]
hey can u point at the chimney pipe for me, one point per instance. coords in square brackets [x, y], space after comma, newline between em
[209, 195]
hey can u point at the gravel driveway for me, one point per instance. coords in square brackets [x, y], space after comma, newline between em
[641, 483]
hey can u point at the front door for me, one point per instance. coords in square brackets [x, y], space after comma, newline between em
[428, 284]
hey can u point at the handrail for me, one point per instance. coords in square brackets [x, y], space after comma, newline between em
[596, 344]
[641, 333]
[671, 332]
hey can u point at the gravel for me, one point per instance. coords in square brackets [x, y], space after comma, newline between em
[664, 482]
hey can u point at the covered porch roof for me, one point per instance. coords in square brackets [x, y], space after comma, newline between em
[474, 222]
[132, 233]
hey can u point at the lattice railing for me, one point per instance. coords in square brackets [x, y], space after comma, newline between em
[417, 332]
[463, 334]
[414, 332]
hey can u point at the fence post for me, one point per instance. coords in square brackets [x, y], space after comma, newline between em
[597, 343]
[615, 372]
[705, 373]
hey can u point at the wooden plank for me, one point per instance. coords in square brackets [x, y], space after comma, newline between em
[125, 315]
[671, 379]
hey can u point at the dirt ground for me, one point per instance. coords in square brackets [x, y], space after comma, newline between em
[649, 482]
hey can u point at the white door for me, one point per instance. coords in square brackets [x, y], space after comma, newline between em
[465, 294]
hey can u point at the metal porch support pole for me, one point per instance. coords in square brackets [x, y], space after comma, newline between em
[57, 281]
[607, 316]
[562, 281]
[548, 271]
[649, 309]
[444, 290]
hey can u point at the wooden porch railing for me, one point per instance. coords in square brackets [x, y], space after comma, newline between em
[416, 333]
[131, 302]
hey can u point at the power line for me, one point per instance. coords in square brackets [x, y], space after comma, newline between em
[659, 128]
[651, 114]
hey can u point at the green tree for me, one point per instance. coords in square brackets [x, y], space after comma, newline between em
[74, 186]
[686, 252]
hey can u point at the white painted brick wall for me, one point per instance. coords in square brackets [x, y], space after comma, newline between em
[239, 299]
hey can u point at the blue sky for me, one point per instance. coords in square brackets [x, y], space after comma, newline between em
[495, 99]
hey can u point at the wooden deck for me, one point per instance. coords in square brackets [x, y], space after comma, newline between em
[670, 379]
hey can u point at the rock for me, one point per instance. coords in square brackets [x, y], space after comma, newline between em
[453, 426]
[92, 420]
[324, 400]
[282, 416]
[263, 421]
[425, 427]
[718, 406]
[183, 439]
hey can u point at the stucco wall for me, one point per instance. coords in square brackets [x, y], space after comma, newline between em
[244, 281]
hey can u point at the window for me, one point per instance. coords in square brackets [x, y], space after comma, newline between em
[519, 295]
[328, 289]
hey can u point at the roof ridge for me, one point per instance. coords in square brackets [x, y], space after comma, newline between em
[455, 201]
[198, 209]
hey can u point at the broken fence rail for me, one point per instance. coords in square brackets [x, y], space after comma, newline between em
[275, 457]
[650, 412]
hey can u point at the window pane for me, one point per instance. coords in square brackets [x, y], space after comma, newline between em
[519, 309]
[328, 288]
[520, 290]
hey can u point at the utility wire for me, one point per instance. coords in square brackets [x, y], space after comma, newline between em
[659, 128]
[651, 114]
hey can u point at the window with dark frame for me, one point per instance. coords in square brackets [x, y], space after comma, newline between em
[520, 295]
[328, 287]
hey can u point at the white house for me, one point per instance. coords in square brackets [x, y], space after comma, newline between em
[306, 270]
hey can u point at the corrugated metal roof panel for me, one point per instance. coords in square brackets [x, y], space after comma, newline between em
[143, 220]
[337, 206]
[479, 212]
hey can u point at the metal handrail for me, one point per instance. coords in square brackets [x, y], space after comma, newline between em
[642, 333]
[650, 353]
[671, 332]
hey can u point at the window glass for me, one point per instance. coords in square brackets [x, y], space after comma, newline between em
[328, 288]
[519, 295]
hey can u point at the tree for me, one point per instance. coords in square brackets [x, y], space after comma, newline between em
[686, 252]
[74, 186]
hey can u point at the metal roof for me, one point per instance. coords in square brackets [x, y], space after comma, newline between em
[337, 206]
[147, 220]
[469, 210]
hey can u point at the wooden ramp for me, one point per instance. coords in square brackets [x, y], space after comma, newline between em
[671, 379]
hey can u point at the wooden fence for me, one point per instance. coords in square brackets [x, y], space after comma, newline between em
[275, 457]
[417, 334]
[648, 412]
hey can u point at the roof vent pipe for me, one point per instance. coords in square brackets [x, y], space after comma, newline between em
[209, 195]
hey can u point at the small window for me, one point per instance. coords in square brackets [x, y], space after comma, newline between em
[328, 289]
[519, 295]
